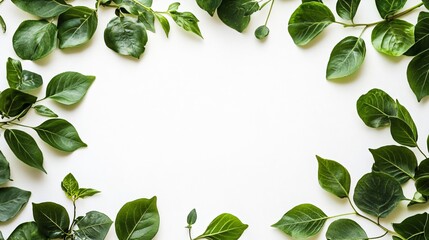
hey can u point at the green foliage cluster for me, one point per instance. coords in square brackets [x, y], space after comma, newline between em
[377, 193]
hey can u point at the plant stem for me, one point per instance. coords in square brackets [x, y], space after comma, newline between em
[420, 150]
[269, 12]
[384, 234]
[189, 232]
[74, 215]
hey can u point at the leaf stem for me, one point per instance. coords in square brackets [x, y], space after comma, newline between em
[190, 232]
[384, 234]
[421, 151]
[269, 12]
[74, 215]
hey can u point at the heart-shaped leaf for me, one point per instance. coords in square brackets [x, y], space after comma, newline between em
[333, 177]
[52, 219]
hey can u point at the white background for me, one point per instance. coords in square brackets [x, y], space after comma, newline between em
[221, 124]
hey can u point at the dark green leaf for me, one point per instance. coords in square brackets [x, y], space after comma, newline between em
[13, 72]
[422, 185]
[402, 133]
[414, 227]
[421, 35]
[396, 161]
[423, 168]
[52, 219]
[45, 111]
[426, 3]
[308, 21]
[250, 7]
[68, 87]
[418, 198]
[377, 194]
[12, 200]
[27, 231]
[233, 14]
[345, 229]
[209, 5]
[347, 9]
[302, 221]
[126, 36]
[138, 219]
[43, 8]
[94, 226]
[14, 102]
[333, 177]
[375, 108]
[148, 20]
[4, 169]
[387, 8]
[187, 21]
[25, 148]
[86, 192]
[60, 134]
[393, 38]
[404, 115]
[164, 23]
[34, 39]
[418, 75]
[2, 24]
[192, 217]
[135, 6]
[76, 26]
[262, 32]
[346, 58]
[226, 227]
[70, 185]
[173, 7]
[1, 236]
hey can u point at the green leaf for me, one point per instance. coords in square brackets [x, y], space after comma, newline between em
[148, 20]
[192, 217]
[44, 111]
[25, 148]
[76, 26]
[347, 9]
[393, 38]
[387, 8]
[396, 161]
[27, 231]
[423, 168]
[164, 23]
[4, 169]
[14, 102]
[187, 21]
[418, 198]
[2, 24]
[251, 7]
[51, 218]
[30, 80]
[224, 227]
[1, 236]
[402, 133]
[404, 115]
[173, 7]
[377, 194]
[333, 177]
[135, 6]
[262, 32]
[70, 185]
[422, 185]
[414, 227]
[233, 14]
[345, 229]
[138, 219]
[60, 134]
[13, 72]
[302, 221]
[12, 200]
[94, 226]
[375, 108]
[68, 87]
[426, 3]
[86, 192]
[421, 35]
[418, 75]
[308, 21]
[346, 58]
[209, 5]
[43, 8]
[126, 36]
[35, 39]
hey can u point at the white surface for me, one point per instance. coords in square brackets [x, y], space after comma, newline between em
[224, 124]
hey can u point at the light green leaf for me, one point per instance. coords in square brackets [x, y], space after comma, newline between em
[375, 108]
[333, 177]
[233, 14]
[52, 219]
[418, 75]
[414, 227]
[94, 226]
[347, 9]
[173, 7]
[224, 227]
[76, 26]
[14, 102]
[393, 38]
[377, 194]
[2, 24]
[60, 134]
[44, 111]
[209, 5]
[402, 133]
[345, 229]
[26, 231]
[418, 198]
[126, 36]
[68, 87]
[387, 8]
[164, 23]
[35, 39]
[12, 200]
[137, 220]
[25, 148]
[192, 217]
[262, 32]
[43, 8]
[346, 58]
[86, 192]
[421, 35]
[4, 169]
[187, 21]
[70, 185]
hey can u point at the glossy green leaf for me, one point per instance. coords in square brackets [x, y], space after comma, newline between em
[27, 231]
[126, 36]
[302, 221]
[164, 23]
[12, 200]
[2, 24]
[192, 217]
[418, 75]
[43, 8]
[68, 87]
[209, 5]
[393, 38]
[76, 26]
[60, 134]
[44, 111]
[135, 6]
[250, 7]
[137, 220]
[377, 194]
[233, 14]
[14, 102]
[30, 80]
[422, 185]
[4, 169]
[421, 35]
[35, 39]
[418, 198]
[375, 108]
[70, 185]
[13, 72]
[426, 3]
[346, 58]
[25, 148]
[404, 115]
[51, 218]
[187, 21]
[414, 227]
[148, 20]
[308, 21]
[224, 227]
[333, 177]
[262, 32]
[387, 8]
[402, 133]
[396, 161]
[94, 226]
[86, 192]
[423, 168]
[347, 9]
[345, 229]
